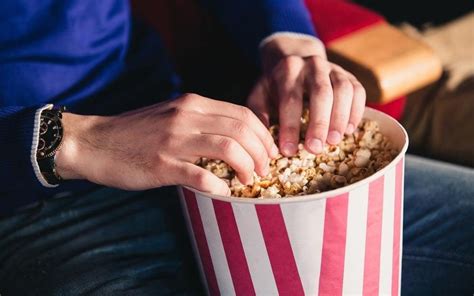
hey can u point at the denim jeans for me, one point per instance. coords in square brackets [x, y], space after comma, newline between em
[113, 242]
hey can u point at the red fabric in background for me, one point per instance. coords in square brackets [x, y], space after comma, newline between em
[336, 18]
[179, 23]
[394, 108]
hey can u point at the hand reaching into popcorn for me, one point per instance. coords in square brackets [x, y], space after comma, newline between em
[158, 145]
[297, 67]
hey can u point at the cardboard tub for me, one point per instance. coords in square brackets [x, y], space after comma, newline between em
[343, 241]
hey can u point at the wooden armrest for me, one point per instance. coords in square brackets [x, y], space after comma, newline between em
[388, 62]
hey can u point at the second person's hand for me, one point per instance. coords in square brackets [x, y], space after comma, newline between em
[297, 67]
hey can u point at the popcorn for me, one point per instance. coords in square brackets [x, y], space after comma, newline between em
[356, 157]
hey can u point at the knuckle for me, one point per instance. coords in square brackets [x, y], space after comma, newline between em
[324, 93]
[320, 125]
[226, 145]
[160, 160]
[287, 67]
[341, 82]
[178, 112]
[357, 85]
[359, 89]
[292, 98]
[289, 130]
[246, 113]
[240, 128]
[316, 59]
[176, 116]
[188, 99]
[288, 63]
[320, 63]
[202, 179]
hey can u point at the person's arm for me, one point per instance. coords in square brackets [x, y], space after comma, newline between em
[141, 149]
[159, 145]
[18, 142]
[249, 22]
[280, 34]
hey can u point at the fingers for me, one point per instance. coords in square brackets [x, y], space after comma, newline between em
[358, 104]
[202, 180]
[288, 81]
[320, 103]
[341, 107]
[242, 133]
[223, 148]
[337, 101]
[259, 102]
[216, 107]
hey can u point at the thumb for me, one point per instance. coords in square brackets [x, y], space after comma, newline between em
[203, 180]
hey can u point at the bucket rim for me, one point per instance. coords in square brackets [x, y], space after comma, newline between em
[321, 195]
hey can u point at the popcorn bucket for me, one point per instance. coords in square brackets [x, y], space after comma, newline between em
[339, 242]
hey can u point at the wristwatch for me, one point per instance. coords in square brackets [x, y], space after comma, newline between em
[50, 139]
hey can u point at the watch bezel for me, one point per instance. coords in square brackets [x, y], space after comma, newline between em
[51, 130]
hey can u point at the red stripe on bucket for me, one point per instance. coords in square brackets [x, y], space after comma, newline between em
[397, 226]
[201, 241]
[279, 250]
[233, 248]
[373, 238]
[334, 244]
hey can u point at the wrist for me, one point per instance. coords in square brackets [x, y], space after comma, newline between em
[70, 158]
[283, 44]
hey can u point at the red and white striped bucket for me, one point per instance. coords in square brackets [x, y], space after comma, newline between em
[342, 242]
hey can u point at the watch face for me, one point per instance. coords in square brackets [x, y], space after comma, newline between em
[51, 133]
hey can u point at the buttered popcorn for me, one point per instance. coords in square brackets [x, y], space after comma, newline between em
[356, 157]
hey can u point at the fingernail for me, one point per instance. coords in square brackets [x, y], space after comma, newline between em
[288, 148]
[350, 129]
[315, 145]
[334, 137]
[274, 152]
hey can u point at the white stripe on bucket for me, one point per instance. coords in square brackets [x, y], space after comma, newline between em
[307, 246]
[386, 255]
[401, 225]
[254, 248]
[216, 248]
[355, 241]
[193, 240]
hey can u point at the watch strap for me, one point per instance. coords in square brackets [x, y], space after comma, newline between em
[47, 168]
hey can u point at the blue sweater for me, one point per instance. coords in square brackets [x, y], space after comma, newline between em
[92, 57]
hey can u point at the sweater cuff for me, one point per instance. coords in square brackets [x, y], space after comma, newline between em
[292, 35]
[291, 19]
[34, 146]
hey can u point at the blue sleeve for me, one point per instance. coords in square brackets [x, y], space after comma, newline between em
[16, 169]
[250, 21]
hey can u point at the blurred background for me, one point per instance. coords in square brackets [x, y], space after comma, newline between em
[437, 110]
[419, 13]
